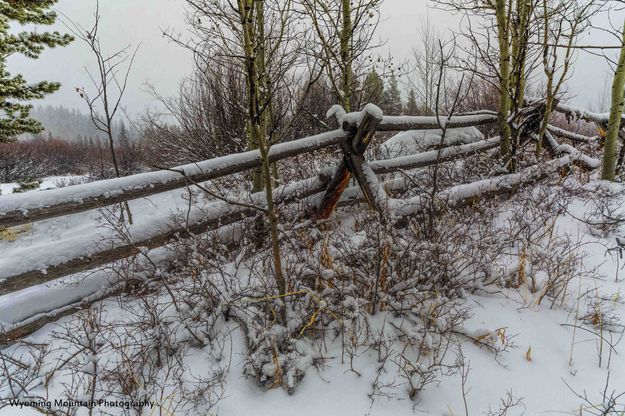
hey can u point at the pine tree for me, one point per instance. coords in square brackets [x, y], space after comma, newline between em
[392, 98]
[124, 137]
[412, 108]
[15, 115]
[128, 160]
[373, 89]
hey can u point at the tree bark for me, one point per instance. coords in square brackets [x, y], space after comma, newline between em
[608, 169]
[346, 56]
[503, 38]
[258, 98]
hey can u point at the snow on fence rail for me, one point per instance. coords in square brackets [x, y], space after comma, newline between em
[322, 193]
[576, 113]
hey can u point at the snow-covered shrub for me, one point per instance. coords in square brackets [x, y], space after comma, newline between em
[608, 401]
[62, 182]
[393, 290]
[27, 184]
[18, 163]
[50, 156]
[604, 212]
[543, 256]
[134, 349]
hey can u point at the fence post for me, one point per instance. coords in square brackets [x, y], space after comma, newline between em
[359, 135]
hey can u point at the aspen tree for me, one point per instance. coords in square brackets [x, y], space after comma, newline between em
[252, 23]
[608, 169]
[561, 24]
[347, 71]
[343, 35]
[503, 40]
[259, 39]
[510, 21]
[519, 33]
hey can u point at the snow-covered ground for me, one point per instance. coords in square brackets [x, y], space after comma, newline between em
[552, 356]
[540, 383]
[49, 182]
[55, 239]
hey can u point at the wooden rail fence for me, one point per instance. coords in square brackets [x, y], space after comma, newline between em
[323, 193]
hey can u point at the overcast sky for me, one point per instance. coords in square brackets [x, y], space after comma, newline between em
[164, 64]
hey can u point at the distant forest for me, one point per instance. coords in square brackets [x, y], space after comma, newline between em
[70, 125]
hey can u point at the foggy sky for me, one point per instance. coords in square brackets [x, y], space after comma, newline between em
[163, 64]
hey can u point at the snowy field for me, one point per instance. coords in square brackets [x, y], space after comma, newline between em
[552, 354]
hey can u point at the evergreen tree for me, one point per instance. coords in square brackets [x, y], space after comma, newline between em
[124, 137]
[15, 115]
[392, 98]
[412, 108]
[373, 89]
[128, 157]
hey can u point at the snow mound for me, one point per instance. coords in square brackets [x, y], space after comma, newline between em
[415, 141]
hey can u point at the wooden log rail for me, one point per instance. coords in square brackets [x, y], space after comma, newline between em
[358, 130]
[573, 112]
[576, 113]
[402, 123]
[574, 137]
[16, 209]
[580, 114]
[360, 133]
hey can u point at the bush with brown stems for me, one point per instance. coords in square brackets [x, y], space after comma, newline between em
[25, 160]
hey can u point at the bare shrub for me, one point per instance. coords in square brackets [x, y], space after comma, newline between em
[609, 401]
[19, 162]
[50, 156]
[206, 120]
